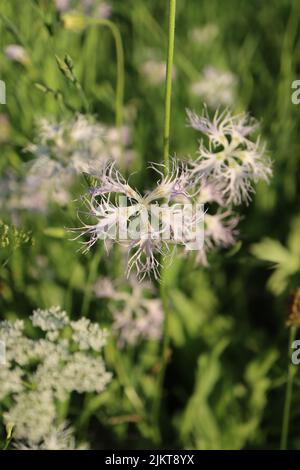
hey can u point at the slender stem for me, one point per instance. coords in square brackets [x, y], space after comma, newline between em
[119, 106]
[168, 92]
[163, 287]
[288, 395]
[164, 354]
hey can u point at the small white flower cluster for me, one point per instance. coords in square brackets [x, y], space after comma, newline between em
[88, 335]
[62, 151]
[17, 53]
[222, 176]
[95, 8]
[137, 314]
[32, 415]
[39, 372]
[33, 192]
[216, 87]
[53, 319]
[56, 438]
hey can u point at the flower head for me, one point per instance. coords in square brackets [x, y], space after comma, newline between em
[137, 314]
[146, 224]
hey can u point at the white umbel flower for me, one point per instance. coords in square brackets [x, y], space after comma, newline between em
[88, 335]
[50, 320]
[11, 381]
[62, 357]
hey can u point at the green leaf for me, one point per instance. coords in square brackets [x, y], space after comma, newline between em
[270, 250]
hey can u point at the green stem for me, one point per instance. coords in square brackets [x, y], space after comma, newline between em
[288, 395]
[119, 106]
[90, 280]
[117, 359]
[164, 354]
[168, 92]
[163, 290]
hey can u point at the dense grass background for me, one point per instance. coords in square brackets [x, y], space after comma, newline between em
[224, 385]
